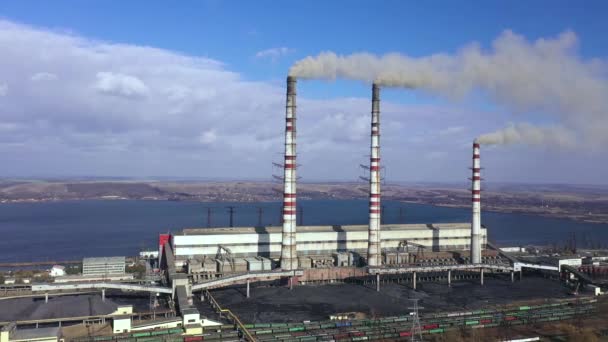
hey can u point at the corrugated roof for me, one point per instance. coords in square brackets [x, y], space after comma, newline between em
[26, 334]
[346, 228]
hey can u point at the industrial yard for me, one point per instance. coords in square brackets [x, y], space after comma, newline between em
[318, 302]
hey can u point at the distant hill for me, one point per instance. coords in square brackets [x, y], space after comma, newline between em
[578, 202]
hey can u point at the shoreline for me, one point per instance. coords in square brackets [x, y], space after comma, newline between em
[493, 209]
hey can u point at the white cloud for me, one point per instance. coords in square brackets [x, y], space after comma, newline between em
[274, 53]
[43, 76]
[191, 116]
[452, 130]
[435, 155]
[3, 89]
[120, 85]
[208, 137]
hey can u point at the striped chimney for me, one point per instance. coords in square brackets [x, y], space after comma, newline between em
[289, 257]
[373, 246]
[476, 200]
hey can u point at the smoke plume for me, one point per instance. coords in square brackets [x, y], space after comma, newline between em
[545, 76]
[528, 134]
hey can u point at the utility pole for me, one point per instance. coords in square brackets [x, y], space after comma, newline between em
[260, 215]
[209, 212]
[231, 213]
[300, 215]
[382, 214]
[401, 212]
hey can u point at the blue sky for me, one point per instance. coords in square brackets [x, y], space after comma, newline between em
[237, 34]
[234, 31]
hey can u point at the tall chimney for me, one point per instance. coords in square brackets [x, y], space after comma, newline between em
[289, 256]
[476, 200]
[373, 246]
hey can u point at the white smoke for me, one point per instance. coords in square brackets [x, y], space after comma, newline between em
[529, 134]
[546, 76]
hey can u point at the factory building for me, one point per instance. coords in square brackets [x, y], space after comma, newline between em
[317, 240]
[103, 266]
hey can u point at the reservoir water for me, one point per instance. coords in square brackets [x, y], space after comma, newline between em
[74, 229]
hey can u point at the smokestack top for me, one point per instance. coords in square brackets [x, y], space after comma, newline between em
[291, 85]
[375, 91]
[475, 144]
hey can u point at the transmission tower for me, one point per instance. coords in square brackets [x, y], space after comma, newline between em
[416, 330]
[209, 213]
[231, 213]
[260, 216]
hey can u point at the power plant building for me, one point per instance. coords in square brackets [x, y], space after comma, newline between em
[103, 266]
[318, 240]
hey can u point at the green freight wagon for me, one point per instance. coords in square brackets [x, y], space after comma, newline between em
[150, 339]
[159, 332]
[262, 332]
[141, 334]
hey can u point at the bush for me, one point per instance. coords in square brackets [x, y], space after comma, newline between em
[138, 269]
[73, 269]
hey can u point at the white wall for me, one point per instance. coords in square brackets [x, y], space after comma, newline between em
[311, 242]
[120, 325]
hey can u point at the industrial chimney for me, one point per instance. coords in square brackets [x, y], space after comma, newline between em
[476, 200]
[289, 257]
[373, 247]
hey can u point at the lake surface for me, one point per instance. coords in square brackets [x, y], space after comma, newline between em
[72, 230]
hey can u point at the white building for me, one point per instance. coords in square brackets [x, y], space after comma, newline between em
[103, 266]
[513, 249]
[57, 271]
[318, 240]
[121, 324]
[148, 254]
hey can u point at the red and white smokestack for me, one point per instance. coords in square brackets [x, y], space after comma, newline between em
[373, 247]
[289, 257]
[476, 201]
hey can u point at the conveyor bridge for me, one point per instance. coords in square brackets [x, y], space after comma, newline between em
[244, 277]
[100, 286]
[438, 268]
[517, 266]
